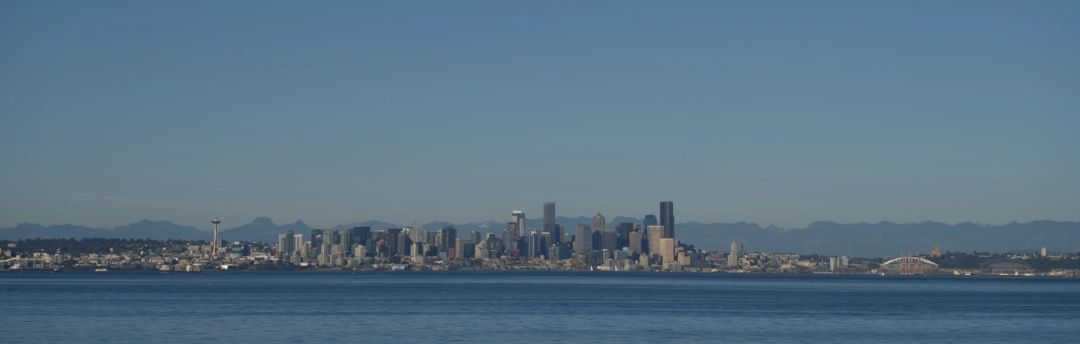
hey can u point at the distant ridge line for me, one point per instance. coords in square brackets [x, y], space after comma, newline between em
[882, 239]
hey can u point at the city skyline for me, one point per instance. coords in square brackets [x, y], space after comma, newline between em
[858, 239]
[787, 171]
[633, 245]
[588, 219]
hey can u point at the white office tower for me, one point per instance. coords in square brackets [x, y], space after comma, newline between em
[667, 250]
[653, 236]
[733, 256]
[481, 250]
[285, 241]
[298, 242]
[417, 253]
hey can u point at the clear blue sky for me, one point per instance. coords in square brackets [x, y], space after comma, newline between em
[333, 112]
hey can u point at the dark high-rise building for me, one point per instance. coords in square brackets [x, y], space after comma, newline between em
[468, 250]
[405, 244]
[559, 252]
[316, 237]
[448, 238]
[508, 239]
[594, 258]
[549, 222]
[475, 236]
[521, 246]
[536, 244]
[430, 238]
[371, 246]
[596, 239]
[494, 245]
[549, 217]
[624, 229]
[393, 240]
[667, 218]
[608, 240]
[650, 220]
[359, 235]
[546, 242]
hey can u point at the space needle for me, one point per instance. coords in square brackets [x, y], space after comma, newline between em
[213, 254]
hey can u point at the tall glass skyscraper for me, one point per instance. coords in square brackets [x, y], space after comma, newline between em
[285, 243]
[518, 216]
[316, 237]
[549, 216]
[549, 221]
[624, 229]
[359, 235]
[393, 240]
[448, 238]
[667, 218]
[536, 245]
[508, 237]
[583, 239]
[650, 220]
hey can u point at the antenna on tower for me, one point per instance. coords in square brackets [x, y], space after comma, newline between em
[414, 221]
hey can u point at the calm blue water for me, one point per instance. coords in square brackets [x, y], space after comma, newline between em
[533, 307]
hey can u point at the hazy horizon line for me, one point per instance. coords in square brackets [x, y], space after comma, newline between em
[287, 222]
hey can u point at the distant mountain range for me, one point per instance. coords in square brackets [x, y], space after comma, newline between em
[262, 230]
[145, 229]
[883, 239]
